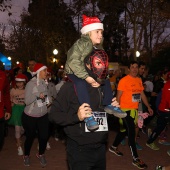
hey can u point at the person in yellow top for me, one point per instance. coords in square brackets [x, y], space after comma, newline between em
[129, 94]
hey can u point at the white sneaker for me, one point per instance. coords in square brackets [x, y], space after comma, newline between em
[48, 147]
[20, 151]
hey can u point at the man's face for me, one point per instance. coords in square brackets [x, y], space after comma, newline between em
[133, 70]
[118, 72]
[111, 72]
[31, 65]
[141, 70]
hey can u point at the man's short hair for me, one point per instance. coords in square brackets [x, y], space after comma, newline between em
[32, 59]
[132, 62]
[141, 63]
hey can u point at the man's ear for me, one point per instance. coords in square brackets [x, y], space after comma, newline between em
[88, 66]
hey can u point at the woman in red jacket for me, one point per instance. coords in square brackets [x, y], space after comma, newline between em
[5, 104]
[164, 115]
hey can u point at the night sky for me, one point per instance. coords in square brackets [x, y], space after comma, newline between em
[16, 10]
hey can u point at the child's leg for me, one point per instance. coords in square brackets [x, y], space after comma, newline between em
[108, 96]
[18, 131]
[22, 131]
[80, 84]
[83, 97]
[18, 135]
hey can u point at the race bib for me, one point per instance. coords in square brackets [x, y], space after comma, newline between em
[101, 119]
[42, 102]
[136, 97]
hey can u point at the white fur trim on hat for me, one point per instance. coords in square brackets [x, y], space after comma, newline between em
[91, 27]
[40, 69]
[20, 79]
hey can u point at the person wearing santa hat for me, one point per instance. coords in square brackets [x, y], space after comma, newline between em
[17, 94]
[85, 150]
[91, 39]
[35, 117]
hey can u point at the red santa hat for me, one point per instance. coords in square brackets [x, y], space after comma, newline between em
[38, 67]
[49, 71]
[91, 23]
[21, 77]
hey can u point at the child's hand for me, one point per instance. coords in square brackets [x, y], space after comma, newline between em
[7, 115]
[91, 81]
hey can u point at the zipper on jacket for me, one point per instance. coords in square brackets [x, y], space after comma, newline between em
[100, 97]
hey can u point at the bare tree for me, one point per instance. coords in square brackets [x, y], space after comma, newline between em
[5, 5]
[146, 25]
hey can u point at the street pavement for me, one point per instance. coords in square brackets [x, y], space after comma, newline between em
[56, 156]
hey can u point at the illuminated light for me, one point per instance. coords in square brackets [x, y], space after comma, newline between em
[137, 53]
[62, 66]
[3, 63]
[54, 60]
[9, 58]
[55, 51]
[17, 62]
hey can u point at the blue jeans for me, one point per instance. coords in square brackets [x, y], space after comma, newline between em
[86, 157]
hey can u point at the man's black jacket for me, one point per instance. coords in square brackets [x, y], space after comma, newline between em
[64, 112]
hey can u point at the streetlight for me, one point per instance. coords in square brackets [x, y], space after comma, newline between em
[54, 60]
[55, 51]
[9, 58]
[137, 53]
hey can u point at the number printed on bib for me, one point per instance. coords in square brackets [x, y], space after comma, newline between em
[136, 97]
[101, 119]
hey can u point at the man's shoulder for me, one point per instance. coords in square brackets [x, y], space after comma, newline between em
[67, 89]
[67, 86]
[125, 78]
